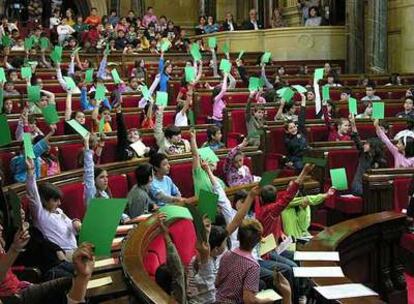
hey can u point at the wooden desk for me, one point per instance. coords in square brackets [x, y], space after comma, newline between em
[368, 247]
[118, 287]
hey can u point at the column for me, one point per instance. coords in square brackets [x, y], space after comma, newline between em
[202, 8]
[355, 39]
[377, 36]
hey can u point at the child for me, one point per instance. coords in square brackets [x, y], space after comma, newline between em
[339, 133]
[367, 112]
[169, 141]
[345, 94]
[54, 224]
[214, 137]
[139, 70]
[79, 116]
[149, 115]
[371, 156]
[27, 124]
[403, 151]
[7, 106]
[9, 90]
[286, 111]
[218, 103]
[370, 93]
[296, 139]
[164, 70]
[162, 188]
[408, 109]
[49, 163]
[235, 171]
[255, 123]
[105, 114]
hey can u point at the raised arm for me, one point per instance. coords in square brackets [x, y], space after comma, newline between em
[279, 112]
[232, 154]
[194, 149]
[158, 132]
[264, 77]
[354, 135]
[199, 72]
[223, 89]
[59, 76]
[249, 106]
[102, 67]
[161, 63]
[214, 62]
[121, 133]
[32, 192]
[50, 96]
[242, 72]
[381, 135]
[88, 168]
[232, 82]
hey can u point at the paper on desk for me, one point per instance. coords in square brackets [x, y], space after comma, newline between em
[267, 244]
[343, 291]
[139, 148]
[99, 282]
[318, 272]
[124, 228]
[284, 245]
[104, 262]
[316, 256]
[117, 241]
[268, 294]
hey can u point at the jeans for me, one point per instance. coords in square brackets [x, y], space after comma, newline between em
[48, 292]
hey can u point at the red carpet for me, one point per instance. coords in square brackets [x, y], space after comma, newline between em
[410, 288]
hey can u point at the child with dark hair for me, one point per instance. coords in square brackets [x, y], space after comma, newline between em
[27, 124]
[218, 103]
[164, 70]
[408, 109]
[339, 132]
[255, 121]
[214, 137]
[49, 163]
[286, 111]
[370, 93]
[403, 151]
[234, 169]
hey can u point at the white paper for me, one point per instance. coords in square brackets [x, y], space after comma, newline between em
[139, 148]
[318, 272]
[124, 228]
[316, 256]
[117, 241]
[267, 244]
[268, 294]
[284, 245]
[99, 282]
[348, 195]
[104, 262]
[343, 291]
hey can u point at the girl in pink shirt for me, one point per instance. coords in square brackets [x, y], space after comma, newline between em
[218, 103]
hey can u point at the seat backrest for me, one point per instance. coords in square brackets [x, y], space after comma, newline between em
[401, 192]
[347, 159]
[182, 176]
[73, 200]
[109, 153]
[69, 154]
[5, 158]
[118, 185]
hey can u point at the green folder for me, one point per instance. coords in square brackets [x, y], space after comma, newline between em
[28, 43]
[198, 223]
[78, 128]
[325, 93]
[161, 99]
[5, 137]
[26, 72]
[89, 76]
[70, 84]
[145, 92]
[176, 212]
[240, 55]
[212, 42]
[50, 114]
[107, 50]
[56, 54]
[100, 92]
[28, 146]
[207, 204]
[268, 177]
[318, 74]
[281, 91]
[33, 93]
[195, 52]
[378, 110]
[6, 41]
[165, 46]
[254, 84]
[352, 106]
[100, 223]
[288, 94]
[115, 76]
[208, 155]
[2, 75]
[225, 48]
[101, 125]
[338, 179]
[190, 74]
[44, 43]
[266, 57]
[319, 162]
[225, 65]
[300, 89]
[75, 51]
[14, 203]
[191, 118]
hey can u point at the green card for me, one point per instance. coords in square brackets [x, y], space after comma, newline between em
[6, 41]
[1, 100]
[101, 125]
[319, 162]
[70, 84]
[338, 179]
[266, 57]
[26, 72]
[44, 43]
[318, 74]
[198, 223]
[208, 155]
[225, 65]
[2, 75]
[145, 92]
[225, 48]
[161, 99]
[101, 232]
[190, 74]
[100, 92]
[14, 203]
[107, 50]
[378, 110]
[195, 51]
[254, 84]
[191, 118]
[176, 212]
[325, 93]
[255, 134]
[75, 51]
[33, 93]
[352, 106]
[50, 114]
[28, 43]
[78, 128]
[240, 55]
[281, 91]
[300, 88]
[165, 46]
[212, 42]
[288, 94]
[56, 54]
[268, 177]
[28, 146]
[89, 76]
[115, 76]
[207, 204]
[5, 137]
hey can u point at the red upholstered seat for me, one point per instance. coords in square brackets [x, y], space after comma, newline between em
[317, 133]
[238, 121]
[109, 153]
[182, 176]
[60, 104]
[118, 185]
[366, 131]
[44, 127]
[401, 189]
[205, 109]
[131, 179]
[73, 201]
[132, 120]
[184, 237]
[69, 154]
[155, 256]
[130, 101]
[5, 158]
[349, 205]
[407, 242]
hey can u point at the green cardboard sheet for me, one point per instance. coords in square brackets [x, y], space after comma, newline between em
[190, 74]
[208, 155]
[338, 179]
[288, 94]
[33, 93]
[165, 46]
[325, 93]
[319, 162]
[225, 65]
[56, 54]
[101, 125]
[28, 43]
[212, 42]
[352, 106]
[225, 48]
[300, 88]
[15, 205]
[2, 75]
[378, 110]
[318, 74]
[100, 223]
[255, 134]
[266, 57]
[145, 92]
[195, 52]
[268, 177]
[207, 204]
[176, 212]
[70, 84]
[28, 146]
[89, 76]
[161, 99]
[26, 72]
[254, 84]
[78, 128]
[50, 114]
[198, 223]
[75, 51]
[240, 55]
[44, 43]
[5, 137]
[100, 92]
[6, 41]
[191, 118]
[115, 76]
